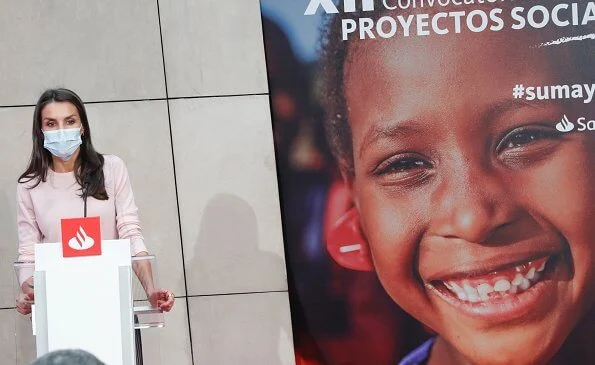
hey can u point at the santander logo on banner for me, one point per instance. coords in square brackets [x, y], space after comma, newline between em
[81, 237]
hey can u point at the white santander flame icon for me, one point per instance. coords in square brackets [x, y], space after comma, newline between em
[565, 125]
[81, 241]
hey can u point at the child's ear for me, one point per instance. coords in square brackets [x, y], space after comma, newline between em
[346, 244]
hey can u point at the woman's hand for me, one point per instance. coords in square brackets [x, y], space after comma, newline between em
[162, 299]
[26, 297]
[24, 302]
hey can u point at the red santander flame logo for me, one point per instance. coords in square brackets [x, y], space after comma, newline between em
[81, 237]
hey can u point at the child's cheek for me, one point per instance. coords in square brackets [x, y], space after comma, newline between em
[561, 194]
[393, 229]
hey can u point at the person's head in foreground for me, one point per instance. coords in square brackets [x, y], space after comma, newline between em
[68, 357]
[476, 213]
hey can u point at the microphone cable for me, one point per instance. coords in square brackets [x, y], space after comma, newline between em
[86, 181]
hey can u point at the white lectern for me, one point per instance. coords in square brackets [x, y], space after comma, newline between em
[85, 302]
[85, 295]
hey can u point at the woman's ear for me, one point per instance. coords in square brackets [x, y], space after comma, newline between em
[346, 244]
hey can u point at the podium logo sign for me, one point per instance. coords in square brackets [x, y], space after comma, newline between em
[81, 237]
[81, 241]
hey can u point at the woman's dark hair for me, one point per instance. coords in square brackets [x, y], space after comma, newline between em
[336, 54]
[88, 167]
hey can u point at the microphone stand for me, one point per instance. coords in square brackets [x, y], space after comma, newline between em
[86, 181]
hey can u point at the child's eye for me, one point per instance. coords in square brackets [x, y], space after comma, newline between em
[403, 165]
[403, 168]
[524, 137]
[527, 145]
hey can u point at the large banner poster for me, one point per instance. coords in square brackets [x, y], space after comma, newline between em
[437, 171]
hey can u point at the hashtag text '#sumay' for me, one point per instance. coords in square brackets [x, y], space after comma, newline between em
[584, 92]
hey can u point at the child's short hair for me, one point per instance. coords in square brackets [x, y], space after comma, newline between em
[334, 52]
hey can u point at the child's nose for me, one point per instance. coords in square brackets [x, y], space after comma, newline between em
[473, 207]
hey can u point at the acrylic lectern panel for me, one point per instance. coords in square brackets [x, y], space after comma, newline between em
[146, 315]
[85, 302]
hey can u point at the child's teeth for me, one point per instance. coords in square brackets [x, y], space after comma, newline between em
[460, 291]
[525, 284]
[536, 277]
[484, 290]
[455, 288]
[458, 288]
[466, 291]
[513, 289]
[473, 298]
[542, 267]
[502, 285]
[472, 294]
[518, 279]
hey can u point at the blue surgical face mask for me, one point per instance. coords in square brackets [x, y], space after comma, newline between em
[62, 143]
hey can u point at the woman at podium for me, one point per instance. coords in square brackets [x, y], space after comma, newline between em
[67, 177]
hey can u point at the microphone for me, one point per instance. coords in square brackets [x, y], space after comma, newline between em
[87, 179]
